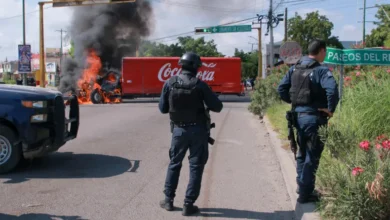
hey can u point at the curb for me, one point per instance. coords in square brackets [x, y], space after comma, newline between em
[288, 168]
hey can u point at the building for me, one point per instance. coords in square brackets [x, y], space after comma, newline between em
[8, 69]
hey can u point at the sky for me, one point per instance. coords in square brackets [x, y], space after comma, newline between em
[174, 17]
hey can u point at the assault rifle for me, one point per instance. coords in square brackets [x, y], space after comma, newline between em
[290, 116]
[209, 126]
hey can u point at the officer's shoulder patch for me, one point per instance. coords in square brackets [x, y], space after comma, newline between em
[329, 73]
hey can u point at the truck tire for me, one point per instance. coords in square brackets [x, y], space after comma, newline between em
[10, 154]
[96, 97]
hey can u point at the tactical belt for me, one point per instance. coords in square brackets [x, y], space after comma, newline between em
[178, 124]
[322, 114]
[308, 113]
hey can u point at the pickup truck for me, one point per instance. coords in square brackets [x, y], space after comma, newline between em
[33, 123]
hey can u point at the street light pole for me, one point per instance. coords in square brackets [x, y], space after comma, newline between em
[41, 46]
[24, 75]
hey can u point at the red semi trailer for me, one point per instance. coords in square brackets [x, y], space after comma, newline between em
[145, 76]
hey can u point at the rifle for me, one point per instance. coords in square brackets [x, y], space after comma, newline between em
[290, 116]
[209, 126]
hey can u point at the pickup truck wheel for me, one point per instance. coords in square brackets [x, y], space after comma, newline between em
[10, 154]
[96, 97]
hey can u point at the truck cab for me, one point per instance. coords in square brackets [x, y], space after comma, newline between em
[34, 122]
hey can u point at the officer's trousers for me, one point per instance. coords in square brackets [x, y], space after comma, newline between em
[193, 138]
[310, 150]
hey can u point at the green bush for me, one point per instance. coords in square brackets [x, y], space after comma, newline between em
[10, 81]
[354, 179]
[362, 116]
[265, 93]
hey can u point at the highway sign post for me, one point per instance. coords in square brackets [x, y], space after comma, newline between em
[223, 29]
[357, 56]
[369, 56]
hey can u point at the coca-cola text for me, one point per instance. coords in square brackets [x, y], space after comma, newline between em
[166, 72]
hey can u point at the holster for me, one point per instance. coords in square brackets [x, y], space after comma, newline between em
[291, 123]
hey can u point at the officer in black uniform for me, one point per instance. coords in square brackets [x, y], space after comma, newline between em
[184, 98]
[312, 91]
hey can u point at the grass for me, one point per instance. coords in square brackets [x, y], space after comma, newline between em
[364, 115]
[276, 115]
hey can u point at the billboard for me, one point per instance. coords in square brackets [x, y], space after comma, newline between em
[35, 61]
[51, 67]
[24, 61]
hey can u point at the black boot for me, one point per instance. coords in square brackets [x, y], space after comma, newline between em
[189, 209]
[315, 192]
[308, 198]
[167, 204]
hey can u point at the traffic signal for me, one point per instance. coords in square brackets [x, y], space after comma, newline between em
[202, 31]
[280, 17]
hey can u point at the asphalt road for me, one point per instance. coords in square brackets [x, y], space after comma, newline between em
[116, 169]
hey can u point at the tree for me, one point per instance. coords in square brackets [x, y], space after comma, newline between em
[71, 50]
[314, 26]
[249, 63]
[151, 49]
[380, 36]
[200, 46]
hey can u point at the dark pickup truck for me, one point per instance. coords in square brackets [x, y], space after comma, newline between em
[33, 123]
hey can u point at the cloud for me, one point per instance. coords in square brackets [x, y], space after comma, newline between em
[180, 18]
[350, 32]
[334, 16]
[11, 27]
[171, 17]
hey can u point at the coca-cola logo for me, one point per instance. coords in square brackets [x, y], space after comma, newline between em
[167, 72]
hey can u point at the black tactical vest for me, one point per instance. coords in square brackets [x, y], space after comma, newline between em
[185, 100]
[301, 90]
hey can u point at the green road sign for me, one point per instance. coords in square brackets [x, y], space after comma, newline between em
[357, 56]
[224, 29]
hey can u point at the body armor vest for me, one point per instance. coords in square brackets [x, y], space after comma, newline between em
[301, 91]
[185, 101]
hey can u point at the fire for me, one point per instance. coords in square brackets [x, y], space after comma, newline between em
[87, 84]
[88, 79]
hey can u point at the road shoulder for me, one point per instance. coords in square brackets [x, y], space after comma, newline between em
[288, 168]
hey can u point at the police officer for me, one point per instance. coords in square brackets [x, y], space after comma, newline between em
[312, 91]
[184, 97]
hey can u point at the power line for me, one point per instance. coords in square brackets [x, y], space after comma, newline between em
[204, 7]
[31, 12]
[194, 6]
[191, 32]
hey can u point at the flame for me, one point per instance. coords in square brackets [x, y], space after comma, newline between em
[87, 83]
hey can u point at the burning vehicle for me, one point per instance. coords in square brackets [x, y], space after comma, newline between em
[98, 85]
[103, 34]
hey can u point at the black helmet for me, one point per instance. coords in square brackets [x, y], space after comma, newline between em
[190, 61]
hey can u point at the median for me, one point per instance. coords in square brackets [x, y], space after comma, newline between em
[354, 172]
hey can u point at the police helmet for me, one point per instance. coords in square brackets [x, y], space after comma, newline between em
[190, 61]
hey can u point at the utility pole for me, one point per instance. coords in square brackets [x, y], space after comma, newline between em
[61, 52]
[285, 25]
[364, 22]
[24, 39]
[260, 54]
[41, 46]
[270, 21]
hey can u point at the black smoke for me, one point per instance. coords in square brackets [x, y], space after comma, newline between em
[113, 31]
